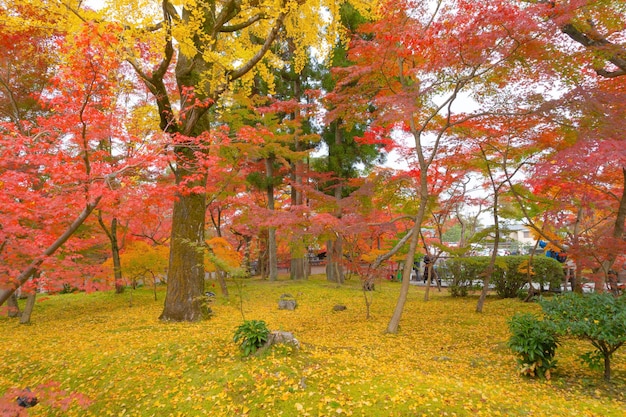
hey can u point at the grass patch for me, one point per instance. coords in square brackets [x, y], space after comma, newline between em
[446, 360]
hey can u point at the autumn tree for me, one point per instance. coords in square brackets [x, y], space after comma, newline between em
[584, 171]
[142, 262]
[219, 47]
[27, 60]
[347, 158]
[501, 148]
[56, 169]
[416, 65]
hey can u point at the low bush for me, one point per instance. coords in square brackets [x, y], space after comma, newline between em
[251, 335]
[509, 276]
[535, 341]
[598, 318]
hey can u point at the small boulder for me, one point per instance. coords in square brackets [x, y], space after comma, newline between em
[277, 337]
[287, 302]
[339, 307]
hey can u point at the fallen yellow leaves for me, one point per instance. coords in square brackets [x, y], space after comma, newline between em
[447, 360]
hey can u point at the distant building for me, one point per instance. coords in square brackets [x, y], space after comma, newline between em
[520, 233]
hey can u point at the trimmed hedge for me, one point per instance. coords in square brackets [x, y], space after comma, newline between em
[509, 275]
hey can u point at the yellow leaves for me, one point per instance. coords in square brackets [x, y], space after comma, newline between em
[523, 268]
[445, 361]
[221, 255]
[184, 36]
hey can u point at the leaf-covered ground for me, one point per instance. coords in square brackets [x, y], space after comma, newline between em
[447, 360]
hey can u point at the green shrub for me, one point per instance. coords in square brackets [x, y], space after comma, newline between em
[509, 274]
[466, 273]
[251, 335]
[535, 341]
[599, 318]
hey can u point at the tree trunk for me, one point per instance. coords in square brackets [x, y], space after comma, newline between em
[271, 239]
[222, 281]
[297, 268]
[115, 252]
[246, 254]
[28, 308]
[492, 261]
[394, 322]
[428, 270]
[185, 275]
[154, 285]
[13, 307]
[262, 258]
[185, 280]
[607, 366]
[529, 275]
[618, 226]
[334, 266]
[578, 280]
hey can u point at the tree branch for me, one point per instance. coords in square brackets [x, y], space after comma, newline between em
[593, 40]
[35, 264]
[233, 75]
[242, 25]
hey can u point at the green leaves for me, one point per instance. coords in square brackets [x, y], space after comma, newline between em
[251, 335]
[599, 318]
[509, 275]
[535, 341]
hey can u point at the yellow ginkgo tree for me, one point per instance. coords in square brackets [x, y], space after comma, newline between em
[190, 54]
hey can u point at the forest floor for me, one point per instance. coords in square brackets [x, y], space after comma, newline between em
[103, 354]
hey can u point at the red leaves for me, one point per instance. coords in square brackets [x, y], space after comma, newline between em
[377, 136]
[78, 150]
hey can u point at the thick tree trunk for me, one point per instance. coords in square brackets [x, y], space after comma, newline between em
[185, 275]
[117, 264]
[297, 268]
[334, 265]
[334, 249]
[272, 253]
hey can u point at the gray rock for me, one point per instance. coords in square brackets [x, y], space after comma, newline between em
[287, 302]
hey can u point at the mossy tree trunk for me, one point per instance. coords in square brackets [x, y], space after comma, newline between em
[187, 127]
